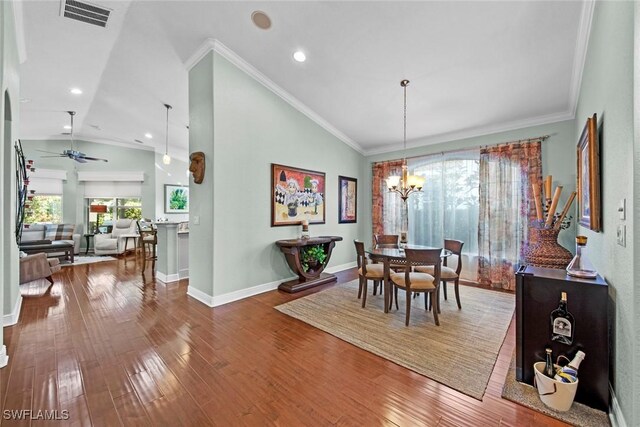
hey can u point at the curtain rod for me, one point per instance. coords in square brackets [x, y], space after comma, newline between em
[515, 141]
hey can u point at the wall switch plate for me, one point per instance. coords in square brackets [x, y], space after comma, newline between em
[196, 220]
[622, 208]
[621, 235]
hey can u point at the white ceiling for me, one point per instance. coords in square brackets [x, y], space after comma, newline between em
[475, 67]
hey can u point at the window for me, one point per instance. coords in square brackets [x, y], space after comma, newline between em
[44, 208]
[103, 212]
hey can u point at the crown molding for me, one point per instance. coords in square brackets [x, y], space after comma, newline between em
[216, 46]
[18, 18]
[477, 132]
[582, 44]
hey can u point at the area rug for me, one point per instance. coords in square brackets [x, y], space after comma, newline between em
[80, 260]
[460, 353]
[526, 395]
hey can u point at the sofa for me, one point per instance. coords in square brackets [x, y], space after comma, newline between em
[61, 232]
[113, 243]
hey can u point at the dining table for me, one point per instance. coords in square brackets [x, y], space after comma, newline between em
[391, 254]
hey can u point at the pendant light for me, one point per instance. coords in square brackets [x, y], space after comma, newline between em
[405, 184]
[166, 159]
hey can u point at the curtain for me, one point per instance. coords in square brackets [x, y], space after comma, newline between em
[385, 214]
[506, 174]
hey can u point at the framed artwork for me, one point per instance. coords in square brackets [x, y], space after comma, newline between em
[176, 198]
[347, 200]
[296, 195]
[589, 176]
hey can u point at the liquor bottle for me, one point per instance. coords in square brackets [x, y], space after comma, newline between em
[549, 369]
[569, 373]
[562, 323]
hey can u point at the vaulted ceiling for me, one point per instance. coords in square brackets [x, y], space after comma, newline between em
[475, 67]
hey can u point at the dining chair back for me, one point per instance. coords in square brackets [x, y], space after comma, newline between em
[418, 282]
[367, 272]
[390, 240]
[148, 242]
[447, 273]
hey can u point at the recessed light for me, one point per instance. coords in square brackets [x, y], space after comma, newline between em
[261, 20]
[299, 56]
[25, 100]
[66, 127]
[148, 135]
[76, 91]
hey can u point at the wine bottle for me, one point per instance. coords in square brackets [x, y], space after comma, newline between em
[548, 367]
[569, 373]
[562, 323]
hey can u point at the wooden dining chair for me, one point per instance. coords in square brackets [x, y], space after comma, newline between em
[389, 241]
[366, 272]
[419, 282]
[448, 274]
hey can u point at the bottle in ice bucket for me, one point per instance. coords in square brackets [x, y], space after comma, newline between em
[569, 373]
[549, 369]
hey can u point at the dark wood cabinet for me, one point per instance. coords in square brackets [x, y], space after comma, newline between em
[311, 275]
[537, 295]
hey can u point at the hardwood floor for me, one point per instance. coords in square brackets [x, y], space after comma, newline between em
[111, 348]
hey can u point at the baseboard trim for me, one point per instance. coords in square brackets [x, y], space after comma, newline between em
[341, 267]
[615, 412]
[218, 300]
[198, 295]
[4, 359]
[12, 318]
[167, 278]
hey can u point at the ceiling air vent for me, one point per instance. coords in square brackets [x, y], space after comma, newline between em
[85, 12]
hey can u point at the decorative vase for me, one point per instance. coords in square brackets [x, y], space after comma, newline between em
[545, 251]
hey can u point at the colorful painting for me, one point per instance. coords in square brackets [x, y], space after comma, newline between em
[348, 199]
[589, 176]
[296, 195]
[176, 198]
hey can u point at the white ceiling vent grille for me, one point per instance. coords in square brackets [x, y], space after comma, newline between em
[85, 12]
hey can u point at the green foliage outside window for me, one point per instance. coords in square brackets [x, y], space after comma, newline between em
[44, 209]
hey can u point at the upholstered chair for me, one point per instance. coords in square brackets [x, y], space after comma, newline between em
[114, 242]
[366, 272]
[415, 282]
[38, 266]
[448, 274]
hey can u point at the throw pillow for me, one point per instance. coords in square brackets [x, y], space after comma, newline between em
[59, 232]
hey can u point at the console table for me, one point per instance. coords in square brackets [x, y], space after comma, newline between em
[292, 250]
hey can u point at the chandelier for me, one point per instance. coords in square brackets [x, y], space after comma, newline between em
[406, 184]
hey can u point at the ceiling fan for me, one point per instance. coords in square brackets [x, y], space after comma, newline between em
[73, 154]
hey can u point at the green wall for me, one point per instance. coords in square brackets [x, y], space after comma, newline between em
[558, 159]
[252, 128]
[10, 80]
[607, 90]
[120, 159]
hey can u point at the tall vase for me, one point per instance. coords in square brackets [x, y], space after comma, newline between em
[545, 251]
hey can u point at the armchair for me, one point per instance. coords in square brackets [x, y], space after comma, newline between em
[114, 242]
[38, 266]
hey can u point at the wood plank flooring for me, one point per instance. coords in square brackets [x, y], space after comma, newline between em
[114, 347]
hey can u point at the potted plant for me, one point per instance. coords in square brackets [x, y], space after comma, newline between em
[312, 256]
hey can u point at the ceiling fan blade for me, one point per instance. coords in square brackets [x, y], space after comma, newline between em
[95, 158]
[79, 159]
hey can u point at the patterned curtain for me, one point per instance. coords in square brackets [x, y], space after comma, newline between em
[506, 174]
[381, 220]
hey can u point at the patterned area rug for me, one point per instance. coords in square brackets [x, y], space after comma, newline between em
[79, 260]
[460, 353]
[526, 395]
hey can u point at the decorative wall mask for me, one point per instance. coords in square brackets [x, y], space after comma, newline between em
[197, 166]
